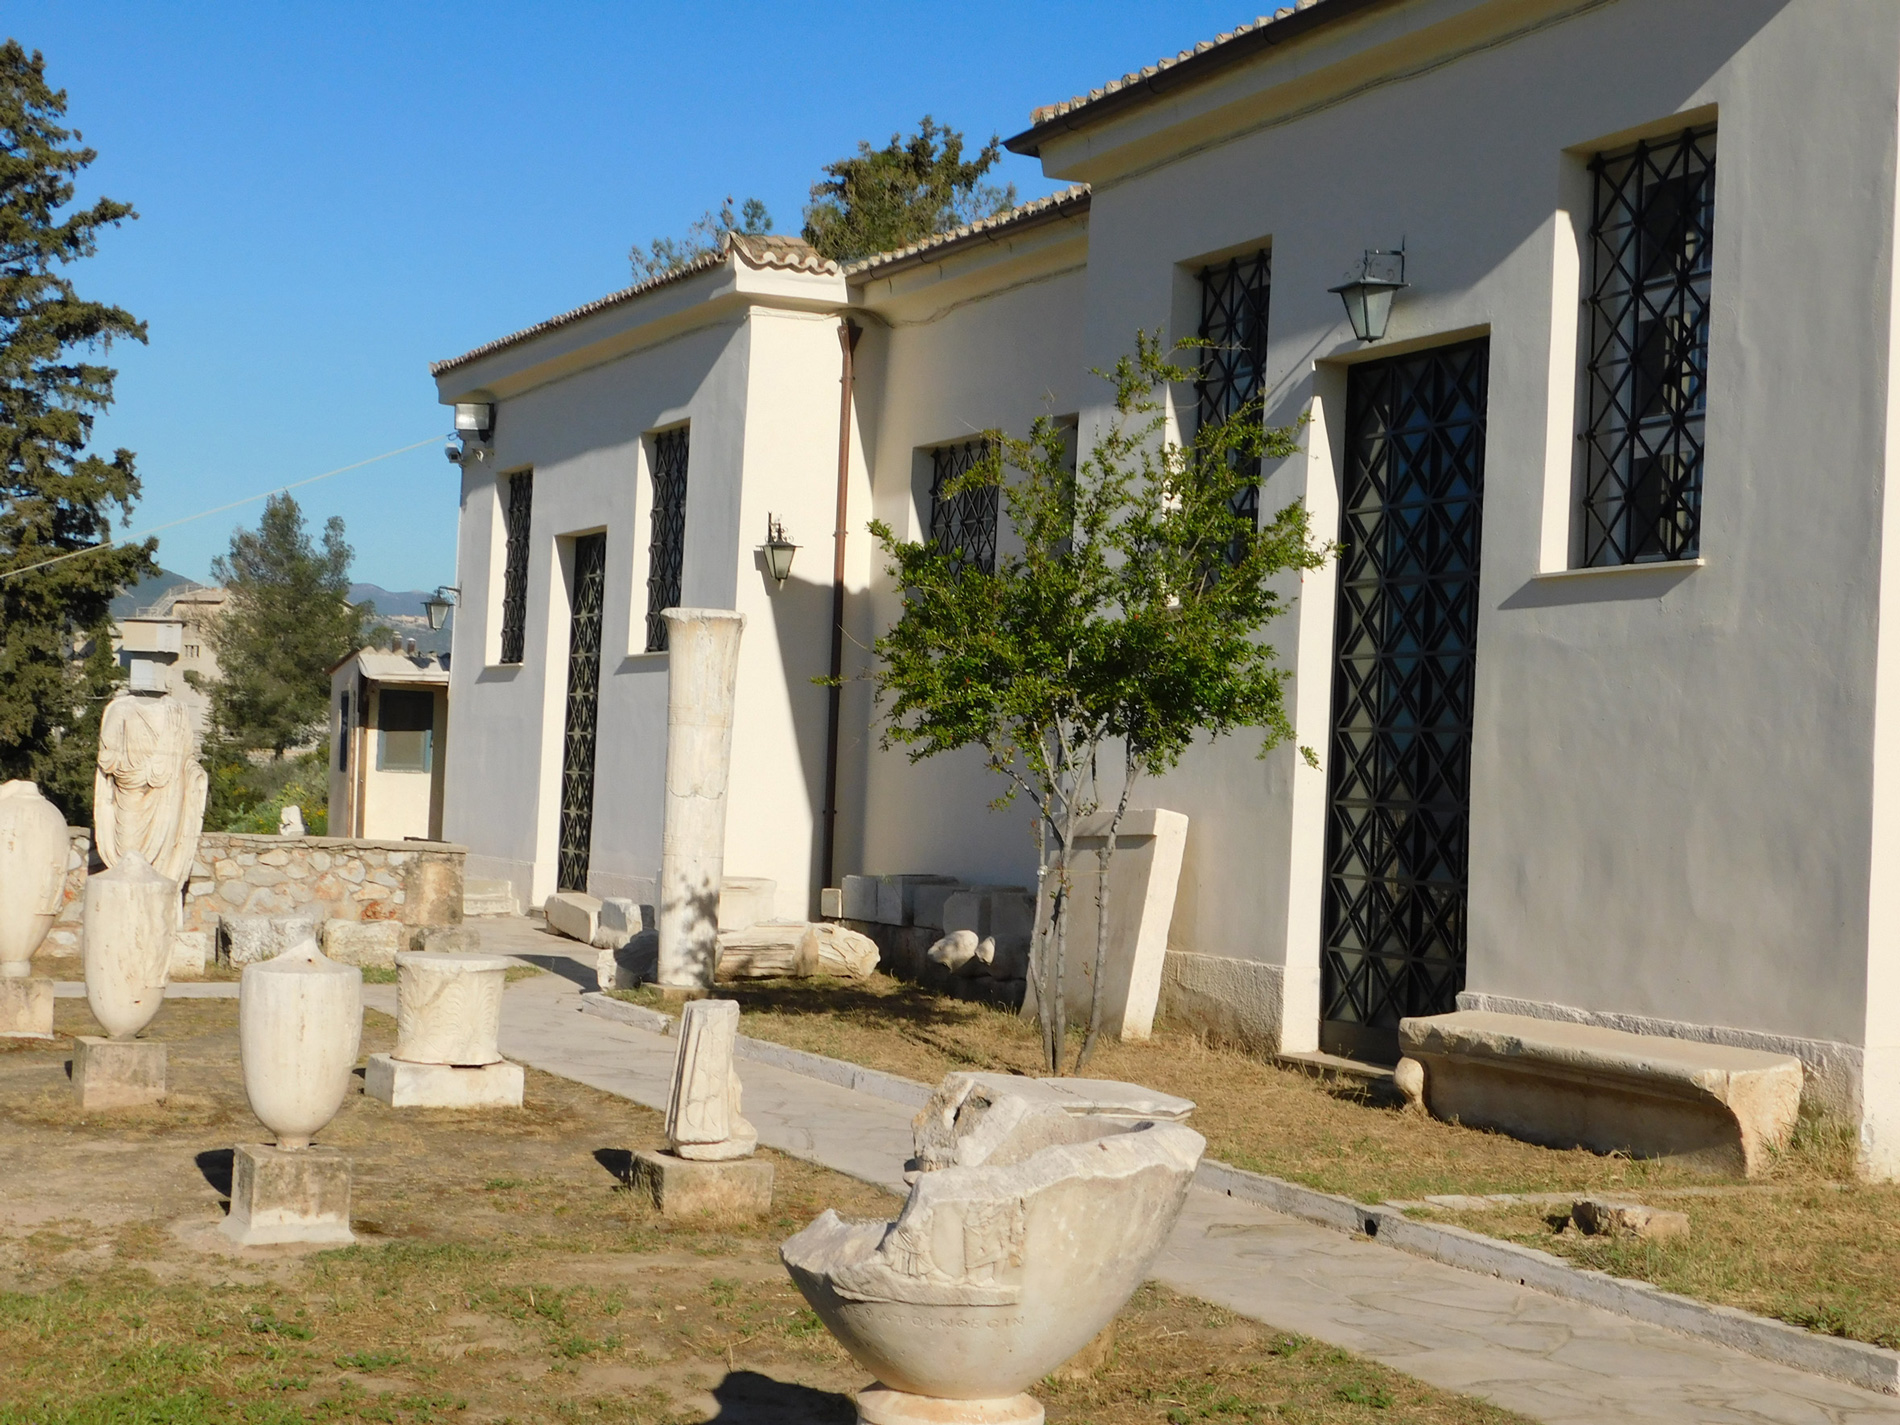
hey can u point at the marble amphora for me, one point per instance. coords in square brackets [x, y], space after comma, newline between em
[127, 943]
[300, 1024]
[33, 851]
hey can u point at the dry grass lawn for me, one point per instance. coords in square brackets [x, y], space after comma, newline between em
[1808, 1245]
[503, 1274]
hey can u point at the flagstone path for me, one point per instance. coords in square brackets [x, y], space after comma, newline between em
[1551, 1359]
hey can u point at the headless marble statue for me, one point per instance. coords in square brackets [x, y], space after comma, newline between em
[149, 791]
[702, 1114]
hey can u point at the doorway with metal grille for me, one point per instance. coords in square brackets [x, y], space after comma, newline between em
[1405, 641]
[583, 702]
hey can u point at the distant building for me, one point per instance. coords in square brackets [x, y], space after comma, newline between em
[389, 716]
[164, 636]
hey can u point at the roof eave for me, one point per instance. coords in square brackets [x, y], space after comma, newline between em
[1191, 70]
[872, 269]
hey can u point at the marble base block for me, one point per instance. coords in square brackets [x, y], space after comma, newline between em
[117, 1073]
[681, 1187]
[880, 1405]
[26, 1008]
[401, 1084]
[288, 1195]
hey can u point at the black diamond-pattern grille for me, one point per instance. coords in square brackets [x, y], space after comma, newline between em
[1651, 235]
[963, 525]
[1233, 364]
[583, 706]
[514, 577]
[1405, 637]
[667, 547]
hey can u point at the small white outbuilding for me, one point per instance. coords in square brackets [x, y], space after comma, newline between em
[389, 722]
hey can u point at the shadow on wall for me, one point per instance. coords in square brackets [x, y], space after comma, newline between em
[801, 621]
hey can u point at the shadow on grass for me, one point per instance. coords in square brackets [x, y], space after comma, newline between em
[216, 1165]
[617, 1161]
[749, 1398]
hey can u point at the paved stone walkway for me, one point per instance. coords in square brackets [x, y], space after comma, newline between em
[1553, 1360]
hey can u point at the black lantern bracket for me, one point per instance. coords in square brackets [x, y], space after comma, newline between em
[778, 550]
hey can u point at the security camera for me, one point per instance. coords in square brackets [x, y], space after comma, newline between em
[454, 452]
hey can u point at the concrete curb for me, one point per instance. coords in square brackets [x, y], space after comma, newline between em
[1869, 1367]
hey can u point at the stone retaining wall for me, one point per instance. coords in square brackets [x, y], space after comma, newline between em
[317, 877]
[328, 877]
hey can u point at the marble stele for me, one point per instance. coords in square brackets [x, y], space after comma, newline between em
[126, 947]
[448, 1029]
[702, 678]
[708, 1165]
[33, 850]
[1004, 1263]
[148, 790]
[300, 1024]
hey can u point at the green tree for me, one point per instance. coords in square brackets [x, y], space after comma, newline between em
[703, 236]
[55, 498]
[911, 189]
[1125, 627]
[288, 621]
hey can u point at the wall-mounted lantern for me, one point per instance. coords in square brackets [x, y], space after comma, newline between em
[1368, 294]
[778, 551]
[437, 608]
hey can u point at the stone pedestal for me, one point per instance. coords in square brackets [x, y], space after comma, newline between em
[702, 677]
[117, 1073]
[288, 1195]
[26, 1007]
[680, 1187]
[880, 1405]
[401, 1084]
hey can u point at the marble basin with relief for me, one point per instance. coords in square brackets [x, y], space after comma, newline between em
[1006, 1260]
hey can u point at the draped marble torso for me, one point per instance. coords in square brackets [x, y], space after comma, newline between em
[149, 791]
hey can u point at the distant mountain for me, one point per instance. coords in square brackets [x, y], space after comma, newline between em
[402, 610]
[148, 592]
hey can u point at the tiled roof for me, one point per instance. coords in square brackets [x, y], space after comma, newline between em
[1057, 205]
[786, 254]
[1227, 48]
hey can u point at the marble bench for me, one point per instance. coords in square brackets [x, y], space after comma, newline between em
[1566, 1085]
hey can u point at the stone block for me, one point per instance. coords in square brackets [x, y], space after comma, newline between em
[621, 918]
[261, 937]
[573, 914]
[956, 950]
[858, 898]
[1146, 869]
[487, 898]
[897, 896]
[633, 964]
[191, 952]
[746, 900]
[928, 901]
[1713, 1107]
[26, 1007]
[365, 942]
[682, 1187]
[117, 1073]
[444, 940]
[1599, 1217]
[769, 949]
[281, 1195]
[404, 1085]
[845, 953]
[432, 890]
[831, 902]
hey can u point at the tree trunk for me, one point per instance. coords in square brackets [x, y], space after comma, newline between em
[1105, 859]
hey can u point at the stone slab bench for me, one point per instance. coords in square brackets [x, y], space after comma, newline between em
[1714, 1107]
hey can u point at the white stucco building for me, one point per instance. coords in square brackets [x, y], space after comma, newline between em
[1601, 680]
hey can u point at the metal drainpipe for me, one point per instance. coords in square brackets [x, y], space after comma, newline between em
[848, 334]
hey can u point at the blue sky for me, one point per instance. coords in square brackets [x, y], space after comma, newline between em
[333, 196]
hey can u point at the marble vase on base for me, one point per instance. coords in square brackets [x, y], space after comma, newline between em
[33, 850]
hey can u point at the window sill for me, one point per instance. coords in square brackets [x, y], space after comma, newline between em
[1601, 571]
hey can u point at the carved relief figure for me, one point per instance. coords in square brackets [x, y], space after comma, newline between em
[149, 791]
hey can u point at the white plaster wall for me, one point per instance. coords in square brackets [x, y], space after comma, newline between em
[582, 434]
[1671, 772]
[950, 359]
